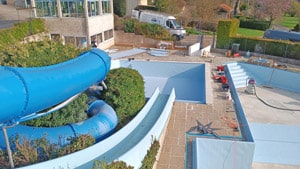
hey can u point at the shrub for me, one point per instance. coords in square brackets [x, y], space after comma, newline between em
[125, 93]
[34, 54]
[76, 144]
[154, 31]
[114, 165]
[119, 7]
[20, 30]
[129, 25]
[72, 113]
[150, 158]
[27, 152]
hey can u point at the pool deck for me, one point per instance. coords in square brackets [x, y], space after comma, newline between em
[219, 111]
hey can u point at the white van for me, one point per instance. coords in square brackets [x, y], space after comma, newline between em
[167, 21]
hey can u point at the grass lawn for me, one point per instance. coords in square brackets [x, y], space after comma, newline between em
[250, 32]
[289, 22]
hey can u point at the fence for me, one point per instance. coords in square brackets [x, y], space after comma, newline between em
[280, 48]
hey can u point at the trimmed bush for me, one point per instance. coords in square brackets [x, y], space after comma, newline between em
[72, 113]
[125, 93]
[253, 24]
[226, 29]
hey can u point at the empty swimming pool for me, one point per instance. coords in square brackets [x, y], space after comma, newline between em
[188, 79]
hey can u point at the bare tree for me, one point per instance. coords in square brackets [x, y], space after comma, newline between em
[271, 9]
[204, 9]
[236, 9]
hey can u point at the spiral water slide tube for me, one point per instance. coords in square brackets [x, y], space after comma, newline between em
[24, 92]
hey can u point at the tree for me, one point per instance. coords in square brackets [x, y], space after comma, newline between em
[271, 9]
[295, 9]
[236, 7]
[120, 7]
[203, 9]
[174, 6]
[160, 5]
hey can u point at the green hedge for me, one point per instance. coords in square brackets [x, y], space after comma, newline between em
[253, 24]
[227, 35]
[154, 31]
[269, 46]
[226, 29]
[125, 93]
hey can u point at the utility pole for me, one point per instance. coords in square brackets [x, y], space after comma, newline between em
[9, 153]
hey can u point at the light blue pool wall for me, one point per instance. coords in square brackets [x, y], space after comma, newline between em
[188, 79]
[226, 154]
[283, 79]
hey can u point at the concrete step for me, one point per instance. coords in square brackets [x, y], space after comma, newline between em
[238, 74]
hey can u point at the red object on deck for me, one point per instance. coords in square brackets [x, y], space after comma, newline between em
[236, 55]
[223, 80]
[220, 68]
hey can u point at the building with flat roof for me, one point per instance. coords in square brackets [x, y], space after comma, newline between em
[78, 22]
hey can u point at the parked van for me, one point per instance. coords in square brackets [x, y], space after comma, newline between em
[282, 35]
[167, 21]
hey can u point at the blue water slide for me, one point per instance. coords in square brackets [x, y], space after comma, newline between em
[27, 91]
[101, 124]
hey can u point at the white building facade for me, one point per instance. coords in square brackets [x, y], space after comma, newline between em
[78, 22]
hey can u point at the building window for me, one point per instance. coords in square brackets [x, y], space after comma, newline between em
[106, 6]
[55, 37]
[81, 42]
[70, 40]
[20, 4]
[108, 34]
[46, 8]
[72, 8]
[93, 7]
[96, 39]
